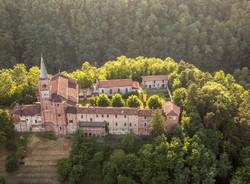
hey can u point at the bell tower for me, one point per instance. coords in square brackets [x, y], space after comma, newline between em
[44, 82]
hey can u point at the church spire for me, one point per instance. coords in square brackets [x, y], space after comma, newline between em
[43, 71]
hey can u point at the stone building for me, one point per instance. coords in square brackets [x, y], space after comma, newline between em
[28, 118]
[110, 87]
[57, 109]
[155, 81]
[172, 114]
[118, 120]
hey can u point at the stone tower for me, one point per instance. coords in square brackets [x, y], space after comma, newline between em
[43, 83]
[55, 94]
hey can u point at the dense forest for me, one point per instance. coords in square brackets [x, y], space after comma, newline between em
[210, 34]
[211, 145]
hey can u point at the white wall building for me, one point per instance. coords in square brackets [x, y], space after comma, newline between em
[28, 118]
[110, 87]
[155, 81]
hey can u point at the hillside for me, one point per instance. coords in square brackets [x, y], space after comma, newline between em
[211, 145]
[210, 34]
[40, 160]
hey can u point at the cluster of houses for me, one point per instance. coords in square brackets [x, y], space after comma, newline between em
[57, 107]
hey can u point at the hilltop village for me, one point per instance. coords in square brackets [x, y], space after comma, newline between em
[57, 107]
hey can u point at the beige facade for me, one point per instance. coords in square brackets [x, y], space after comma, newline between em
[155, 81]
[29, 123]
[118, 120]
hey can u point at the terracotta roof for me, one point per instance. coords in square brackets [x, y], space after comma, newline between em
[71, 110]
[27, 110]
[170, 108]
[72, 83]
[92, 124]
[59, 98]
[107, 110]
[54, 77]
[118, 83]
[144, 112]
[154, 77]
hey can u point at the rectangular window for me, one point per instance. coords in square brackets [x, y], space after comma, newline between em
[97, 115]
[102, 116]
[107, 115]
[116, 116]
[91, 119]
[82, 116]
[125, 116]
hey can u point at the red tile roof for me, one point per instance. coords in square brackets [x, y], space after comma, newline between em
[154, 77]
[109, 110]
[170, 108]
[27, 110]
[64, 76]
[58, 98]
[72, 83]
[118, 83]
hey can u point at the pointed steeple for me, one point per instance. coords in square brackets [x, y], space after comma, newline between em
[43, 71]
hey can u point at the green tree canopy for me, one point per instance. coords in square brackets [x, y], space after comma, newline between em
[117, 100]
[157, 123]
[103, 101]
[154, 102]
[134, 101]
[6, 128]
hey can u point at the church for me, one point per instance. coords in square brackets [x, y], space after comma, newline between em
[57, 110]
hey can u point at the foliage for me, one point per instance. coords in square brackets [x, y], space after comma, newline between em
[21, 144]
[103, 100]
[63, 168]
[47, 135]
[117, 100]
[210, 34]
[154, 102]
[18, 84]
[2, 180]
[157, 124]
[243, 76]
[242, 174]
[134, 101]
[128, 142]
[6, 128]
[11, 164]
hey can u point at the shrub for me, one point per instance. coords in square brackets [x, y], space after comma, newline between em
[63, 168]
[117, 100]
[2, 180]
[154, 102]
[103, 100]
[11, 164]
[134, 101]
[48, 135]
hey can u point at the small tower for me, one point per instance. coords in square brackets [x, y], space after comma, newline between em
[44, 82]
